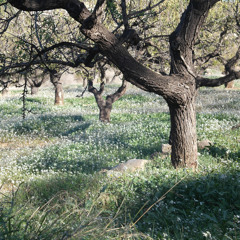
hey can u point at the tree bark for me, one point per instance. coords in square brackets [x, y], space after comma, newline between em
[36, 81]
[59, 96]
[229, 84]
[104, 114]
[105, 105]
[183, 135]
[34, 90]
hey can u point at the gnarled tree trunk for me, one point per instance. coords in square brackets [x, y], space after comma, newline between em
[105, 112]
[104, 115]
[183, 135]
[36, 81]
[105, 105]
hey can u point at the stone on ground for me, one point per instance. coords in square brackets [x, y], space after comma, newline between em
[131, 166]
[204, 143]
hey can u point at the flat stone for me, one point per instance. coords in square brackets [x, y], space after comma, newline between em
[131, 166]
[204, 143]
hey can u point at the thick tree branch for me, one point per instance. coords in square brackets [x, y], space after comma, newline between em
[229, 68]
[36, 5]
[183, 38]
[119, 93]
[124, 14]
[207, 82]
[91, 88]
[92, 19]
[232, 62]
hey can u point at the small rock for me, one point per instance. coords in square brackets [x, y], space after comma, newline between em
[204, 143]
[166, 148]
[131, 166]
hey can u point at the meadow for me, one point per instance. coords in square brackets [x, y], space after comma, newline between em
[53, 181]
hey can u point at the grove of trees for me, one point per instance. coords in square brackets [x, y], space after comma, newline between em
[159, 46]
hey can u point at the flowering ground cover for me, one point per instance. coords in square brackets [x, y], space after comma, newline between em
[53, 180]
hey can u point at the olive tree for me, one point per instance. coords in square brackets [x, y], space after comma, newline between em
[105, 104]
[179, 88]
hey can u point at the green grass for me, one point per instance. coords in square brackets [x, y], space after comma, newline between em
[52, 170]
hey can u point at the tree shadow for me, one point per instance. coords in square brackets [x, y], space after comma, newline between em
[197, 205]
[43, 189]
[81, 127]
[52, 125]
[34, 100]
[223, 152]
[142, 150]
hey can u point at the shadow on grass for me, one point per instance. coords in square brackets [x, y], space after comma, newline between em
[52, 125]
[34, 100]
[146, 151]
[141, 149]
[224, 153]
[199, 205]
[43, 189]
[231, 105]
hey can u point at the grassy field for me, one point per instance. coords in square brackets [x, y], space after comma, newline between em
[53, 183]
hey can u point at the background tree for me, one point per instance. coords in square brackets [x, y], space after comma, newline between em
[219, 39]
[27, 40]
[105, 104]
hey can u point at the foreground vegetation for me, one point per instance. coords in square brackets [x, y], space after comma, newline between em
[53, 170]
